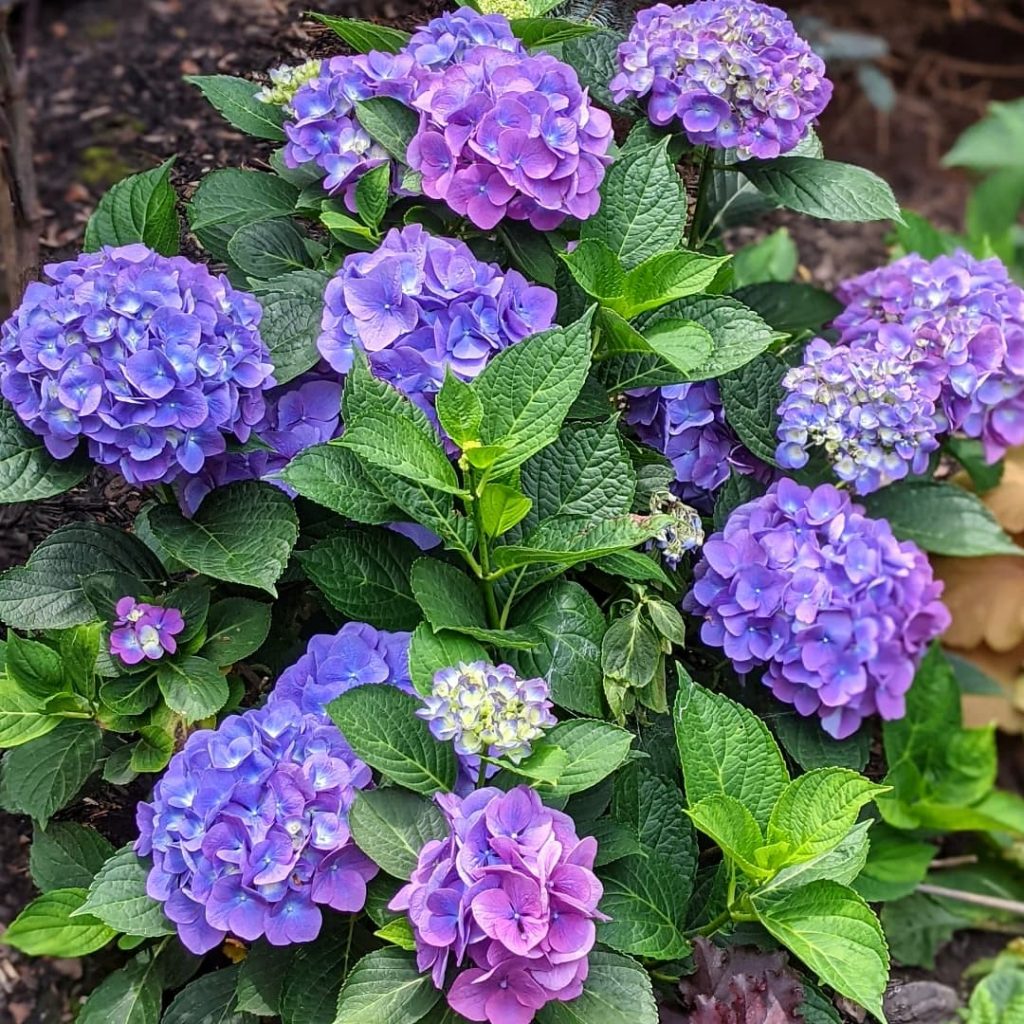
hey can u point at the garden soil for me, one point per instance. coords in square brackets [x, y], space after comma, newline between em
[109, 100]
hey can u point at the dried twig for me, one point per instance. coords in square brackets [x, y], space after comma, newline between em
[977, 899]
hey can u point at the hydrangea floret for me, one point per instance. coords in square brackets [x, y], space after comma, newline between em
[420, 304]
[735, 75]
[286, 80]
[824, 598]
[872, 412]
[248, 830]
[144, 631]
[447, 39]
[153, 360]
[686, 533]
[357, 655]
[958, 317]
[505, 135]
[512, 891]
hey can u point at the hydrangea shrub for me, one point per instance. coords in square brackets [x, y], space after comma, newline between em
[497, 637]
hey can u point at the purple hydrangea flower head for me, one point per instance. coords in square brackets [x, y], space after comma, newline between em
[144, 631]
[248, 830]
[511, 890]
[446, 40]
[686, 423]
[502, 134]
[837, 611]
[304, 412]
[419, 304]
[356, 655]
[734, 73]
[151, 359]
[874, 414]
[957, 316]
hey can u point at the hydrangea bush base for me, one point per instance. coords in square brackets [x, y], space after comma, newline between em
[522, 580]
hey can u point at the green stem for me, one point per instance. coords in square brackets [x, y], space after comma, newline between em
[702, 193]
[511, 597]
[712, 926]
[493, 617]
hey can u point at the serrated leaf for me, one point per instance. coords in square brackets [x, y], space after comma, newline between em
[268, 249]
[896, 864]
[724, 748]
[192, 686]
[594, 750]
[733, 828]
[336, 478]
[502, 508]
[918, 925]
[209, 999]
[842, 864]
[390, 122]
[617, 991]
[392, 825]
[458, 409]
[128, 996]
[139, 208]
[364, 36]
[117, 896]
[429, 652]
[235, 99]
[811, 747]
[790, 307]
[152, 750]
[594, 58]
[242, 533]
[37, 669]
[66, 855]
[293, 306]
[380, 725]
[631, 650]
[834, 932]
[235, 628]
[751, 396]
[386, 987]
[28, 472]
[261, 976]
[309, 994]
[46, 927]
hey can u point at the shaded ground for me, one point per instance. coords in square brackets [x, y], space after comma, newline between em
[110, 100]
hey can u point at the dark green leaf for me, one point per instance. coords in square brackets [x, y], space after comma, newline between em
[392, 825]
[235, 99]
[790, 307]
[66, 856]
[390, 122]
[117, 896]
[269, 248]
[293, 306]
[236, 628]
[139, 208]
[430, 652]
[192, 686]
[28, 472]
[364, 36]
[209, 999]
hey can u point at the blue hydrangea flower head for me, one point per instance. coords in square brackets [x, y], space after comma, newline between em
[356, 655]
[447, 39]
[152, 360]
[836, 612]
[248, 830]
[872, 413]
[733, 73]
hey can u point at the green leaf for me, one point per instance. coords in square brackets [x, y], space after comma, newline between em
[527, 390]
[811, 747]
[941, 518]
[772, 258]
[243, 533]
[790, 307]
[571, 626]
[392, 825]
[751, 396]
[46, 927]
[594, 58]
[398, 933]
[724, 748]
[643, 206]
[373, 191]
[209, 999]
[842, 864]
[544, 764]
[131, 995]
[28, 472]
[66, 855]
[336, 478]
[594, 750]
[501, 508]
[617, 991]
[309, 994]
[117, 896]
[585, 472]
[541, 32]
[235, 99]
[390, 122]
[995, 142]
[823, 188]
[380, 725]
[895, 866]
[261, 977]
[458, 409]
[733, 829]
[386, 987]
[834, 932]
[918, 925]
[139, 208]
[47, 592]
[268, 248]
[970, 453]
[293, 305]
[34, 667]
[153, 749]
[364, 36]
[365, 575]
[817, 810]
[429, 652]
[236, 627]
[41, 777]
[192, 686]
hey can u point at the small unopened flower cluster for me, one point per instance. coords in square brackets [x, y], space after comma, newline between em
[686, 423]
[510, 135]
[837, 610]
[420, 303]
[144, 630]
[248, 830]
[735, 74]
[873, 412]
[357, 655]
[151, 359]
[286, 81]
[512, 890]
[685, 534]
[487, 709]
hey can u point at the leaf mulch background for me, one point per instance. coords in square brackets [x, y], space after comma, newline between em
[109, 100]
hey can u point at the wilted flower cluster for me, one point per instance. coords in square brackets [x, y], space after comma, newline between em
[735, 74]
[144, 631]
[959, 318]
[686, 423]
[511, 889]
[873, 412]
[356, 655]
[838, 611]
[304, 412]
[685, 534]
[151, 359]
[447, 39]
[419, 304]
[286, 81]
[487, 709]
[248, 830]
[504, 134]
